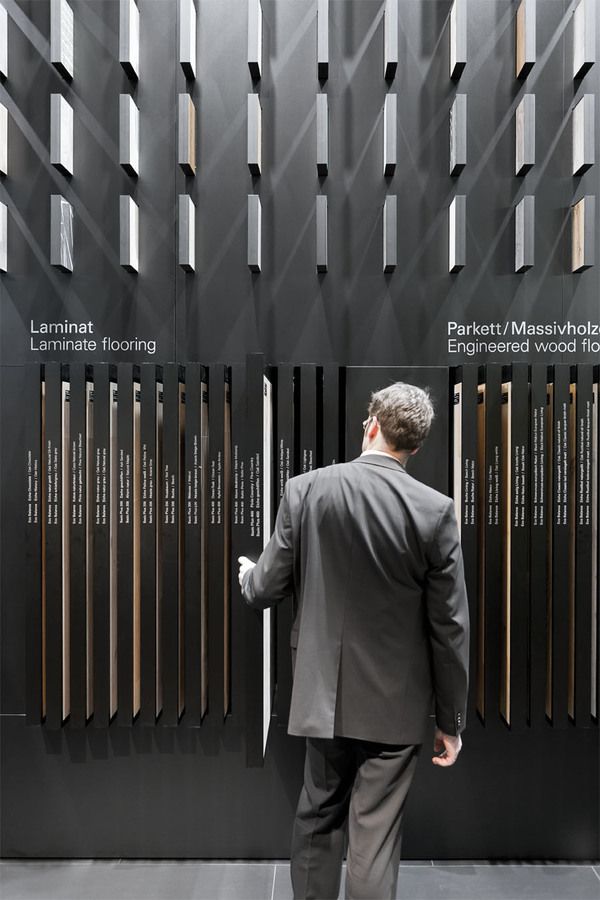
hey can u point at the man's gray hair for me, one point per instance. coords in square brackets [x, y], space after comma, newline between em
[404, 412]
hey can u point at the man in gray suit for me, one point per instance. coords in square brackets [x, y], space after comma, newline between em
[381, 638]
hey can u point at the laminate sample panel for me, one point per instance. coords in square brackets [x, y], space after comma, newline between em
[104, 547]
[255, 38]
[458, 38]
[285, 470]
[129, 233]
[35, 585]
[61, 233]
[465, 493]
[525, 234]
[186, 140]
[322, 39]
[61, 37]
[506, 507]
[457, 233]
[56, 554]
[129, 134]
[390, 233]
[129, 38]
[584, 37]
[61, 134]
[540, 516]
[172, 544]
[322, 134]
[458, 134]
[125, 541]
[3, 237]
[308, 418]
[518, 529]
[584, 134]
[219, 594]
[3, 42]
[595, 618]
[583, 632]
[187, 37]
[89, 550]
[187, 233]
[525, 42]
[583, 231]
[160, 575]
[3, 139]
[195, 556]
[149, 538]
[525, 135]
[561, 526]
[254, 154]
[78, 503]
[494, 533]
[390, 136]
[332, 427]
[258, 487]
[322, 229]
[254, 233]
[390, 39]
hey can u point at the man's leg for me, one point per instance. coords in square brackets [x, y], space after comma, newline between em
[320, 824]
[375, 819]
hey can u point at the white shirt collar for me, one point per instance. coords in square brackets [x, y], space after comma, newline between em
[383, 453]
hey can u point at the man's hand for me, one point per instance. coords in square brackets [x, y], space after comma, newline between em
[245, 566]
[450, 745]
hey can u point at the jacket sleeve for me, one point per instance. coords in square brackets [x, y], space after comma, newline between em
[272, 578]
[448, 621]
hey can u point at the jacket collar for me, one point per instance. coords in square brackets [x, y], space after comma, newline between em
[376, 459]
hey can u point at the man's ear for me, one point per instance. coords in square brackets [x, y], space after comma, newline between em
[416, 450]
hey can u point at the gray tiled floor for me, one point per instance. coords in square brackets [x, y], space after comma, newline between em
[191, 880]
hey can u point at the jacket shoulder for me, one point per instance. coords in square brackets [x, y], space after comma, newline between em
[436, 499]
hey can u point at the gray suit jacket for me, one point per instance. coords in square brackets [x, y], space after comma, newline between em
[374, 559]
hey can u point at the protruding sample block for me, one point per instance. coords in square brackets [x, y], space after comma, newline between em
[322, 134]
[61, 134]
[129, 134]
[187, 37]
[321, 233]
[3, 139]
[322, 39]
[458, 38]
[584, 133]
[254, 134]
[583, 234]
[61, 233]
[457, 233]
[390, 39]
[458, 134]
[584, 37]
[3, 237]
[525, 135]
[255, 42]
[187, 134]
[390, 129]
[61, 37]
[525, 234]
[187, 233]
[3, 42]
[129, 243]
[525, 38]
[254, 233]
[390, 233]
[129, 38]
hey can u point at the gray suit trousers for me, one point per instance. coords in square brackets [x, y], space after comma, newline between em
[357, 788]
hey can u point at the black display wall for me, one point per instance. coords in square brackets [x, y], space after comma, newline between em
[188, 792]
